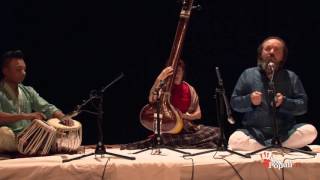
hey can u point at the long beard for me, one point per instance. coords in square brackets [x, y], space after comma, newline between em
[263, 64]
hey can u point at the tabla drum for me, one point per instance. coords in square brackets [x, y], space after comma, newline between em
[36, 139]
[68, 138]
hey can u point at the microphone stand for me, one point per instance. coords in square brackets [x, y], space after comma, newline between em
[276, 142]
[221, 105]
[100, 148]
[156, 140]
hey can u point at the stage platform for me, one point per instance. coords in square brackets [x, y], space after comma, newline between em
[169, 165]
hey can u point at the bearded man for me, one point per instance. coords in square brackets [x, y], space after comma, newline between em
[251, 96]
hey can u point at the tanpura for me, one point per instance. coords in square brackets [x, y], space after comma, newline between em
[171, 120]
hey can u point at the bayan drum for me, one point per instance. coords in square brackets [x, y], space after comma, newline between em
[36, 139]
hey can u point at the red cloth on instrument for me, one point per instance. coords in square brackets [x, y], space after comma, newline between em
[181, 96]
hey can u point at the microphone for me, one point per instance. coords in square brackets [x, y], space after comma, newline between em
[225, 99]
[271, 66]
[228, 109]
[71, 115]
[220, 82]
[197, 7]
[230, 119]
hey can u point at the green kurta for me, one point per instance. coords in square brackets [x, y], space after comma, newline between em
[28, 101]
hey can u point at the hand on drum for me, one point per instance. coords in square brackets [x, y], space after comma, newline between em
[67, 121]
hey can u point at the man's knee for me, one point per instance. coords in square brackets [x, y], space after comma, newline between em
[5, 131]
[238, 140]
[309, 132]
[7, 140]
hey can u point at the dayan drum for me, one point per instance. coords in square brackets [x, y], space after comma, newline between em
[68, 138]
[36, 139]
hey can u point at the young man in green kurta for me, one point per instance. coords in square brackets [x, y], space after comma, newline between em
[20, 104]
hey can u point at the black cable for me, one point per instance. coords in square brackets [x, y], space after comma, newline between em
[192, 171]
[104, 169]
[235, 170]
[292, 160]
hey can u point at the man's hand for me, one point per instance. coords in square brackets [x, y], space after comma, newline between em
[64, 119]
[67, 121]
[256, 98]
[279, 99]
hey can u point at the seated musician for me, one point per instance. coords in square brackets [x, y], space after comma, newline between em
[20, 104]
[185, 99]
[251, 96]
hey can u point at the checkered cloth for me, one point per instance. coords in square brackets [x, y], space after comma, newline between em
[192, 136]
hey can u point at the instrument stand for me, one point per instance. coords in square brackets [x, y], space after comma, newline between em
[100, 148]
[276, 142]
[221, 102]
[156, 140]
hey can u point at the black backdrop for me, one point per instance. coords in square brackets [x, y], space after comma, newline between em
[72, 47]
